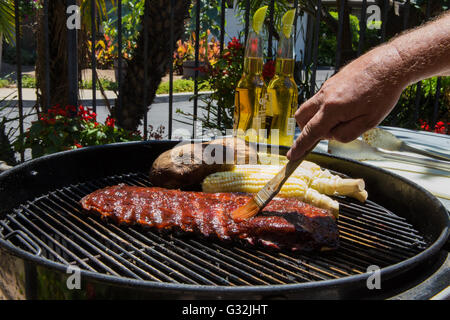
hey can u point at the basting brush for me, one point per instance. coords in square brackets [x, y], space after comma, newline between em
[269, 191]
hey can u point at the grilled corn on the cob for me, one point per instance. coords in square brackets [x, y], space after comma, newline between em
[321, 180]
[252, 182]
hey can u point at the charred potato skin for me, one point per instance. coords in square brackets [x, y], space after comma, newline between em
[185, 166]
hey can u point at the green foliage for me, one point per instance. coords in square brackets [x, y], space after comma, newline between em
[209, 18]
[132, 10]
[403, 114]
[328, 40]
[182, 85]
[210, 14]
[7, 16]
[280, 8]
[106, 84]
[179, 85]
[29, 7]
[7, 24]
[28, 81]
[69, 128]
[4, 83]
[421, 5]
[101, 10]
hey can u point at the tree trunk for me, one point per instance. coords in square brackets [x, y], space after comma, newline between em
[58, 59]
[157, 17]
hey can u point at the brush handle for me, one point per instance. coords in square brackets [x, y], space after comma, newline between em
[271, 189]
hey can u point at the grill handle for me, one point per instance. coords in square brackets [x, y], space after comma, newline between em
[26, 240]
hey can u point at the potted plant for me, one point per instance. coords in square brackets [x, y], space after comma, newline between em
[221, 77]
[184, 57]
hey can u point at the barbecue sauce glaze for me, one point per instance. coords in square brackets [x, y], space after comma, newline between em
[285, 223]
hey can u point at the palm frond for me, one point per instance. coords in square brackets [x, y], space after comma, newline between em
[7, 20]
[101, 10]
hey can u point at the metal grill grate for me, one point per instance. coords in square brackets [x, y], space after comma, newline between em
[55, 227]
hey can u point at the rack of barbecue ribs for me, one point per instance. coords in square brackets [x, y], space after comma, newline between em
[285, 223]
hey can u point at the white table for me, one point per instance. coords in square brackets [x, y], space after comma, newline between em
[435, 181]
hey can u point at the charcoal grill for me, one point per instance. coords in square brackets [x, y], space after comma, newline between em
[43, 231]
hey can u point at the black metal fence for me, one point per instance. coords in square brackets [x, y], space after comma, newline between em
[311, 37]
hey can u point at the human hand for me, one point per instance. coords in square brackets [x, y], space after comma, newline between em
[354, 100]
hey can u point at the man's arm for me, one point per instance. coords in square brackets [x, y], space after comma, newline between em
[363, 93]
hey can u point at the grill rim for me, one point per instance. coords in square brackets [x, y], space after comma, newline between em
[386, 272]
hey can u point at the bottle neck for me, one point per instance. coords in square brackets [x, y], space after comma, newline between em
[285, 56]
[285, 48]
[284, 67]
[254, 46]
[253, 65]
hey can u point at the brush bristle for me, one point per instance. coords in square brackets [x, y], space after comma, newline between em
[250, 209]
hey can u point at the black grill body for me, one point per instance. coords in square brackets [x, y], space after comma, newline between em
[43, 231]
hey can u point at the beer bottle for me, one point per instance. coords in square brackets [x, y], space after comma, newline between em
[249, 112]
[283, 94]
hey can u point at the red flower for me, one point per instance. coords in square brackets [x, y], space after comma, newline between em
[424, 125]
[268, 70]
[110, 122]
[56, 111]
[440, 127]
[86, 114]
[234, 44]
